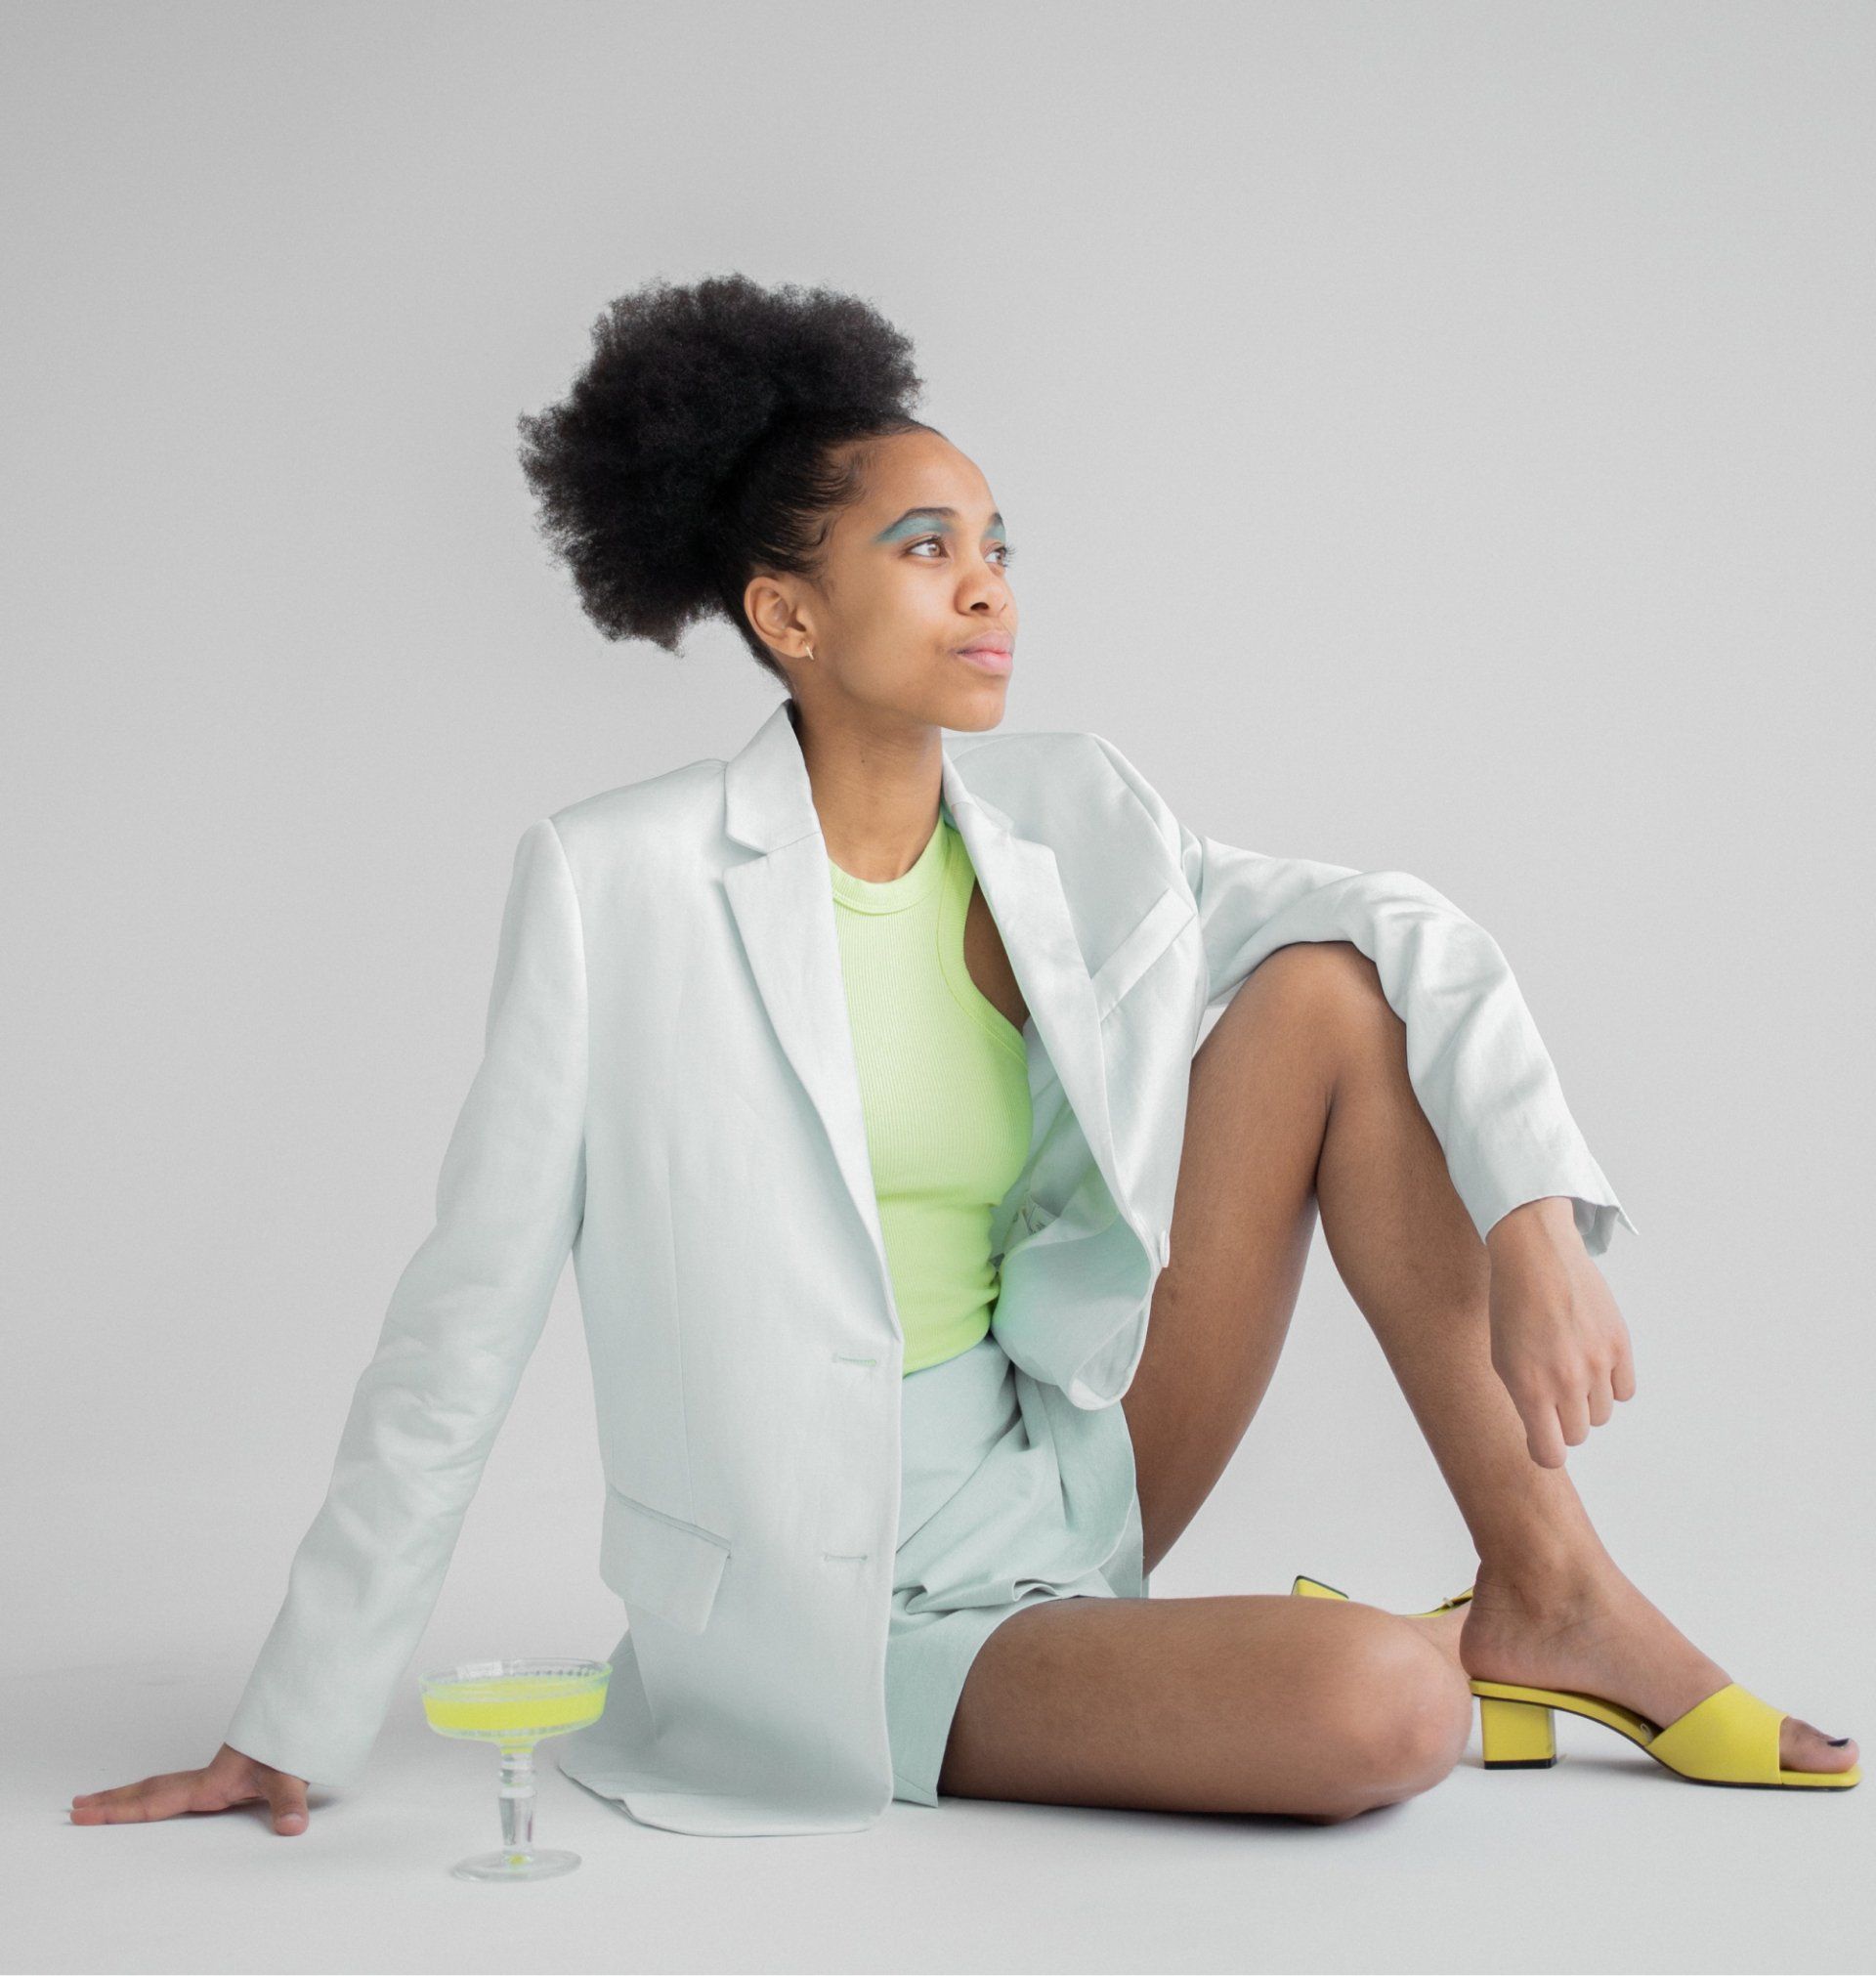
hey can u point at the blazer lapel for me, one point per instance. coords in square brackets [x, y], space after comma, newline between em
[783, 901]
[785, 914]
[1023, 887]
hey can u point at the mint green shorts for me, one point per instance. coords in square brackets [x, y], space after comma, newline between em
[1009, 1495]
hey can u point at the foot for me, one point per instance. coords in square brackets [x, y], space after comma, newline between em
[1589, 1630]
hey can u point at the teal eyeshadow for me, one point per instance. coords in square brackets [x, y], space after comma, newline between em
[913, 525]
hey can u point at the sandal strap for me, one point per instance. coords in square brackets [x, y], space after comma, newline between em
[1730, 1738]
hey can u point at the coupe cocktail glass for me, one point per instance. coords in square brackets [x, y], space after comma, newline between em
[515, 1704]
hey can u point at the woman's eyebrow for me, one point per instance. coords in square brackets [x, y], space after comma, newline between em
[917, 517]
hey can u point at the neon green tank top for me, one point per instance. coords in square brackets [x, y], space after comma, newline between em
[944, 1082]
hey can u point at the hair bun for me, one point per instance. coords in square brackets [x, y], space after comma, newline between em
[686, 389]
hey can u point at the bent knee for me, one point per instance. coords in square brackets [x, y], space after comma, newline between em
[1404, 1715]
[1332, 976]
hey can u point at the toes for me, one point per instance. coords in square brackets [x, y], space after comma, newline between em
[1803, 1747]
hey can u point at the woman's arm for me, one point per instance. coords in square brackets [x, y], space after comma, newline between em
[462, 1321]
[1476, 1062]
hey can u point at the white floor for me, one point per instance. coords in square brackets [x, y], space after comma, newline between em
[1605, 1861]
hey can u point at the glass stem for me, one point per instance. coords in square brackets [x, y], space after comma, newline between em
[518, 1800]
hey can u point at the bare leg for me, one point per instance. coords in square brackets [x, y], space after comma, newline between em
[1550, 1606]
[1301, 1088]
[1314, 1708]
[1257, 1704]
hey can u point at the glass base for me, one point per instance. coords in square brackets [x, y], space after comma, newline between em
[540, 1864]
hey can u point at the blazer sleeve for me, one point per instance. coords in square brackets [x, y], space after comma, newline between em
[464, 1319]
[1474, 1058]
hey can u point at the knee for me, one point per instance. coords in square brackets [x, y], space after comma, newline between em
[1405, 1714]
[1326, 978]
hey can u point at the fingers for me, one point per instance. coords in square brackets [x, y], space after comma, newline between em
[151, 1797]
[211, 1789]
[1622, 1375]
[1573, 1412]
[1565, 1365]
[1542, 1435]
[1587, 1393]
[1601, 1400]
[1555, 1421]
[287, 1800]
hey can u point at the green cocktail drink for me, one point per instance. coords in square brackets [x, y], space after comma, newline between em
[515, 1704]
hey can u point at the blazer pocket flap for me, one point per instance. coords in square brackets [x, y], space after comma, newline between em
[658, 1564]
[1158, 927]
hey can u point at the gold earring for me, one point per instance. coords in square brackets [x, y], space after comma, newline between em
[809, 648]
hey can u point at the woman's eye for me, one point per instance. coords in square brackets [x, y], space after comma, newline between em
[1007, 551]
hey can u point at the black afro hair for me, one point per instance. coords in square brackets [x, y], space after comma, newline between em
[699, 444]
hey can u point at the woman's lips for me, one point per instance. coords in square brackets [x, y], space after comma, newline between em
[987, 658]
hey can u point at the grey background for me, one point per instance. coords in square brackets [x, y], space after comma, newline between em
[1435, 436]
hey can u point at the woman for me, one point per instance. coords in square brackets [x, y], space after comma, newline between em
[873, 1081]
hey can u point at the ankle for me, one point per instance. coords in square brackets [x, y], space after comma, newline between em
[1542, 1576]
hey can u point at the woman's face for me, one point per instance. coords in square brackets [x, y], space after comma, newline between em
[916, 572]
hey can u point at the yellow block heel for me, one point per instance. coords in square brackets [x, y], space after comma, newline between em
[1730, 1737]
[1516, 1735]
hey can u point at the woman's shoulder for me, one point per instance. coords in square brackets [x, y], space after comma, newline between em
[678, 807]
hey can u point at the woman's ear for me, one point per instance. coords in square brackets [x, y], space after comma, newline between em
[771, 608]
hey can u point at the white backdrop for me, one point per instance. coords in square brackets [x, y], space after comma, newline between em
[1435, 436]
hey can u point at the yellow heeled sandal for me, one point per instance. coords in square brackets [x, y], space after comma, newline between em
[1730, 1737]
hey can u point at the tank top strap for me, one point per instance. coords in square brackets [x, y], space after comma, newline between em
[959, 881]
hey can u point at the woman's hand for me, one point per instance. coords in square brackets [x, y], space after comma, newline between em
[230, 1780]
[1558, 1343]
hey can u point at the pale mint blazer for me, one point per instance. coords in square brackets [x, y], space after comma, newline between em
[669, 1093]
